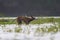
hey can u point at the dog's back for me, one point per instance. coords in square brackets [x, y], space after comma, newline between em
[27, 20]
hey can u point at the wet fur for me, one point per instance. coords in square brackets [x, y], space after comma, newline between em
[27, 20]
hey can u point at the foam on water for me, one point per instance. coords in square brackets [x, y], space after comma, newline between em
[28, 32]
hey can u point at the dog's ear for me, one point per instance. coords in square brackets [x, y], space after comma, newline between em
[31, 16]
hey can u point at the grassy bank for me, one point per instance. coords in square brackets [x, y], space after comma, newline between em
[39, 20]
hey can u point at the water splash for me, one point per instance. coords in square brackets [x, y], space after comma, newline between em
[28, 32]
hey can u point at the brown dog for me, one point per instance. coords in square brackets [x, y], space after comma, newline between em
[27, 20]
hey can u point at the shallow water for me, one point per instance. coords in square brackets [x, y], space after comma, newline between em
[28, 32]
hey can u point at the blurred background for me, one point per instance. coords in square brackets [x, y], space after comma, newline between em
[15, 8]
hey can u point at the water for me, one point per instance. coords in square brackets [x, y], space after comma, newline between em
[28, 32]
